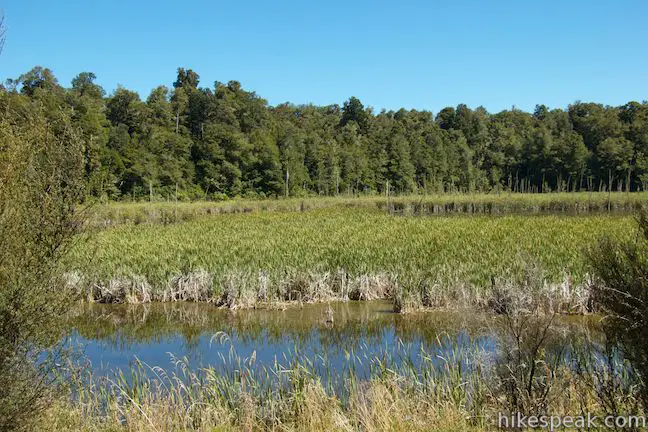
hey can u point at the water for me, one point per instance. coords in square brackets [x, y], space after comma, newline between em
[111, 337]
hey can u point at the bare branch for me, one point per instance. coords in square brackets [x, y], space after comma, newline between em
[3, 31]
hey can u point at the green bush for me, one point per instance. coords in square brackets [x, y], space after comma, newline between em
[41, 172]
[621, 290]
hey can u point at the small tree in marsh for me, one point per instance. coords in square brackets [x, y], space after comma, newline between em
[41, 183]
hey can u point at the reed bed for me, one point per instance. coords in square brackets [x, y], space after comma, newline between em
[166, 212]
[446, 388]
[261, 259]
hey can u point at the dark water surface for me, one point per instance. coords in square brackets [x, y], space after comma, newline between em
[113, 336]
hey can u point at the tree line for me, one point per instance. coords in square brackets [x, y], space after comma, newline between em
[225, 141]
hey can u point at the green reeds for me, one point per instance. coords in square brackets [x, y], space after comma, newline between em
[168, 212]
[261, 259]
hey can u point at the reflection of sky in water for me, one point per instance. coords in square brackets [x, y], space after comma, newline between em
[359, 354]
[363, 335]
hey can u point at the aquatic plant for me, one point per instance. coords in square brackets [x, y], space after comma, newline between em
[261, 259]
[574, 203]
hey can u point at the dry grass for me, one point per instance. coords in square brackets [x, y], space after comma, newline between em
[458, 390]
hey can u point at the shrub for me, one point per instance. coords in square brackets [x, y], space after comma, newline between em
[41, 172]
[621, 291]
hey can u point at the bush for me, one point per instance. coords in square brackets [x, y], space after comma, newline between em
[41, 172]
[621, 291]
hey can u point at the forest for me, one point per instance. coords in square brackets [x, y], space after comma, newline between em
[193, 142]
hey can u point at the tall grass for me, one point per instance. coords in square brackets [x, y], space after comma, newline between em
[166, 212]
[250, 260]
[457, 388]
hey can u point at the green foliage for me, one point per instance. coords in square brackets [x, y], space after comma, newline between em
[621, 289]
[227, 141]
[457, 257]
[41, 183]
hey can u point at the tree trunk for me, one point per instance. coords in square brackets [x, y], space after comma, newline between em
[609, 188]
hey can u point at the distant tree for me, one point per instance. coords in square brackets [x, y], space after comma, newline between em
[615, 157]
[446, 118]
[125, 107]
[187, 78]
[293, 153]
[264, 174]
[353, 110]
[227, 136]
[86, 99]
[571, 157]
[180, 105]
[594, 123]
[83, 84]
[38, 78]
[400, 170]
[161, 110]
[540, 112]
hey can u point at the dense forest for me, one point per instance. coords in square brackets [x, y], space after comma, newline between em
[198, 142]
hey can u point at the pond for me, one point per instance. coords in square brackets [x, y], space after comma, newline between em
[331, 338]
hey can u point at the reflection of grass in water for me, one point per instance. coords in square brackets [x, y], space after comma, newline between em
[356, 325]
[449, 387]
[354, 321]
[247, 260]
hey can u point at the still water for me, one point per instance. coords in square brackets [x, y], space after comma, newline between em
[348, 335]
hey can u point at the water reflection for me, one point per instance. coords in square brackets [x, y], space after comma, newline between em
[361, 333]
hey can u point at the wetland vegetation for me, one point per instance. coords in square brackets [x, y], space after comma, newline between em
[201, 260]
[366, 369]
[295, 350]
[258, 259]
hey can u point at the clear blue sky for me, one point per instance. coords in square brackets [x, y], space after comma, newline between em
[413, 54]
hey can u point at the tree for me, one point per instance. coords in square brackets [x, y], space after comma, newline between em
[179, 104]
[574, 155]
[353, 110]
[446, 118]
[400, 170]
[187, 79]
[86, 100]
[353, 159]
[226, 137]
[83, 84]
[125, 107]
[615, 156]
[594, 122]
[293, 153]
[38, 78]
[264, 174]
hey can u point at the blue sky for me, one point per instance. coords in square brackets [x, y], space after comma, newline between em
[413, 54]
